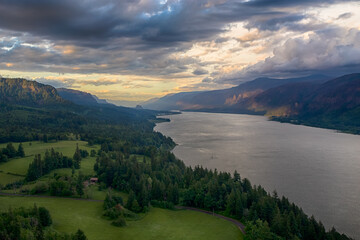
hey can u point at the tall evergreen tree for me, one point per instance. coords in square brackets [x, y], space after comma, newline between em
[35, 169]
[77, 157]
[9, 151]
[20, 152]
[3, 158]
[79, 235]
[80, 185]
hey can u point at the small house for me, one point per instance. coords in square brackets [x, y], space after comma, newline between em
[93, 180]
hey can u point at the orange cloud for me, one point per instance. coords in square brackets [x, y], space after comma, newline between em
[67, 49]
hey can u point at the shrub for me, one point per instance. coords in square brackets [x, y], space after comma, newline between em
[119, 222]
[40, 187]
[44, 217]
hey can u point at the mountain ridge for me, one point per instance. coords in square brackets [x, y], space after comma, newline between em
[314, 101]
[30, 93]
[223, 98]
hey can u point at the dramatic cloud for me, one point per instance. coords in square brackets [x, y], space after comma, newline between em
[57, 83]
[331, 51]
[157, 46]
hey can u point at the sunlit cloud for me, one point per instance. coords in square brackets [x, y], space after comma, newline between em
[142, 49]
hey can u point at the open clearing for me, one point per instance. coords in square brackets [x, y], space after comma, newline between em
[20, 165]
[69, 215]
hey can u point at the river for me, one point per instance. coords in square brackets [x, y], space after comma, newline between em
[318, 169]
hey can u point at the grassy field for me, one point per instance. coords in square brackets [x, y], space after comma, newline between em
[20, 165]
[7, 178]
[69, 215]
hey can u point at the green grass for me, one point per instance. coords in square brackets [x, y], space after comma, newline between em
[8, 178]
[69, 215]
[94, 193]
[67, 148]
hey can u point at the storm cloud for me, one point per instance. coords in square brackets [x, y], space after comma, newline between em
[157, 39]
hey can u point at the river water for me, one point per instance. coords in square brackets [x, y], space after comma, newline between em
[318, 169]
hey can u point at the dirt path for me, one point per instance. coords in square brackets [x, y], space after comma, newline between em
[236, 222]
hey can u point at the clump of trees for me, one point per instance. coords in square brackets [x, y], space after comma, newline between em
[31, 223]
[114, 209]
[52, 160]
[79, 155]
[67, 186]
[166, 181]
[10, 152]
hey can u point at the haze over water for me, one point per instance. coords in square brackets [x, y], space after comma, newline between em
[318, 169]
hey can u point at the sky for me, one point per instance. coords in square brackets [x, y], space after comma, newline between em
[135, 50]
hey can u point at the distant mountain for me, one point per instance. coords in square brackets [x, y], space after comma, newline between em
[340, 94]
[22, 92]
[281, 101]
[100, 101]
[334, 104]
[171, 102]
[78, 97]
[29, 93]
[87, 99]
[125, 103]
[225, 100]
[314, 100]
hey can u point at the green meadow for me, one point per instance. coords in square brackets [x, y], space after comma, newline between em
[69, 215]
[15, 169]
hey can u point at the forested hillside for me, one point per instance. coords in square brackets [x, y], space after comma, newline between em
[314, 101]
[136, 161]
[33, 111]
[29, 93]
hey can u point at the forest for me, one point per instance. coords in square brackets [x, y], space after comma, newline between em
[159, 179]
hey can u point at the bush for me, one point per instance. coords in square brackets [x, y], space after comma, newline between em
[92, 153]
[79, 235]
[130, 215]
[111, 201]
[84, 153]
[3, 158]
[40, 187]
[44, 217]
[119, 222]
[112, 213]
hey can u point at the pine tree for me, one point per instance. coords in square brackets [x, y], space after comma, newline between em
[77, 157]
[3, 158]
[35, 170]
[79, 235]
[231, 203]
[80, 185]
[20, 152]
[130, 200]
[9, 150]
[44, 217]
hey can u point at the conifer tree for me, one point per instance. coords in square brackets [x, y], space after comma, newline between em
[20, 152]
[77, 157]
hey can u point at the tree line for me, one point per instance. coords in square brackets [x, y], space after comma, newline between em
[161, 178]
[53, 160]
[32, 223]
[10, 152]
